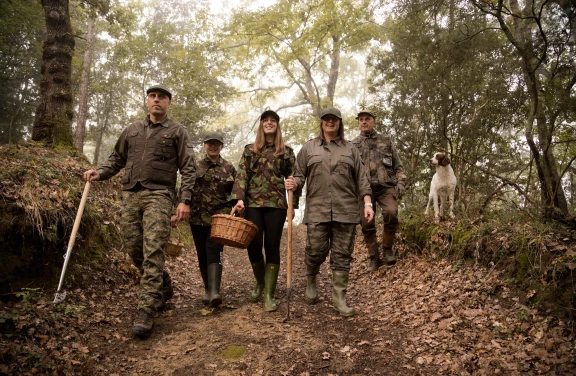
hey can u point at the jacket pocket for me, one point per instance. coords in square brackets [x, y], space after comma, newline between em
[344, 166]
[385, 173]
[165, 147]
[314, 165]
[127, 173]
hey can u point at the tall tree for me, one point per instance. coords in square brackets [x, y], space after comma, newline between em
[540, 32]
[303, 43]
[84, 82]
[53, 123]
[21, 38]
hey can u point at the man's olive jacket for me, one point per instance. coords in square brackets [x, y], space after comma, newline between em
[154, 157]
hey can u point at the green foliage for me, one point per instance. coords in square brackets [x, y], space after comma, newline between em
[30, 294]
[22, 25]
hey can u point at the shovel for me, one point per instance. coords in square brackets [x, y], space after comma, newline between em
[60, 294]
[289, 255]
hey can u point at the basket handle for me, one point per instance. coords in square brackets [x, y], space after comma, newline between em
[234, 211]
[179, 234]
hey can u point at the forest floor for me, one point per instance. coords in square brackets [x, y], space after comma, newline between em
[419, 317]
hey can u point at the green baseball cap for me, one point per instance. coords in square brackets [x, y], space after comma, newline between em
[331, 111]
[162, 88]
[214, 136]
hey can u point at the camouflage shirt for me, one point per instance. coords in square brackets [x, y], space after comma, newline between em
[382, 163]
[211, 193]
[260, 180]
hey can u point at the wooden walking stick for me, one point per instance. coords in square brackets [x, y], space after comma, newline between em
[289, 254]
[60, 295]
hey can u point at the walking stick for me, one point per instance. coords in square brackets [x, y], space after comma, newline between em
[289, 254]
[60, 295]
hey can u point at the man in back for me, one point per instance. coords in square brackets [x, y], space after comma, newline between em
[386, 176]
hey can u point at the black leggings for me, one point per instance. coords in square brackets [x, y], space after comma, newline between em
[208, 251]
[270, 222]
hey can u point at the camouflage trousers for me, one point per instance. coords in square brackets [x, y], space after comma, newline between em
[388, 202]
[334, 238]
[146, 228]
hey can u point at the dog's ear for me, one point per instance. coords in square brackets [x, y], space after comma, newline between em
[445, 160]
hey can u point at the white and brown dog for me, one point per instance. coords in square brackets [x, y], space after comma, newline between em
[443, 185]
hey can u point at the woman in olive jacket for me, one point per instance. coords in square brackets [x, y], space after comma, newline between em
[259, 189]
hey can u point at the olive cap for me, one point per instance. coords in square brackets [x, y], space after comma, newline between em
[214, 136]
[331, 111]
[162, 88]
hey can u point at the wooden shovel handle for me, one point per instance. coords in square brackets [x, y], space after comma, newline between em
[79, 215]
[289, 248]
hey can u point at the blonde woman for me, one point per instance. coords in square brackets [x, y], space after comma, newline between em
[261, 194]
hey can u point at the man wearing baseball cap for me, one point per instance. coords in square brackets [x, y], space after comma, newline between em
[386, 176]
[336, 179]
[151, 152]
[211, 195]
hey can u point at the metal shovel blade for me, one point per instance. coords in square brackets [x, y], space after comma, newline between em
[60, 296]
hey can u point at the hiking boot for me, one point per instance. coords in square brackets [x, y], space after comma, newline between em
[167, 289]
[375, 264]
[142, 326]
[389, 257]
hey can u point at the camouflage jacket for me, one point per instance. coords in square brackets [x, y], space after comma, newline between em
[379, 155]
[260, 179]
[335, 180]
[211, 193]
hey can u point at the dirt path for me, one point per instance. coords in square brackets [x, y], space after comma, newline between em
[419, 317]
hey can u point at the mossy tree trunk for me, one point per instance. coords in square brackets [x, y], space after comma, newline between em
[53, 122]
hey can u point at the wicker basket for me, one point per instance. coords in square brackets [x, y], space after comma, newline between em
[173, 247]
[232, 231]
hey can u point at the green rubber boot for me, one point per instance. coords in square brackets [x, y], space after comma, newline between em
[311, 294]
[259, 271]
[206, 297]
[339, 286]
[214, 279]
[270, 278]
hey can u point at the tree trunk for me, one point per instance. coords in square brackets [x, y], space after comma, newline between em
[53, 122]
[84, 81]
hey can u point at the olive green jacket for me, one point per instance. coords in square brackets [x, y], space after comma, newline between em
[153, 159]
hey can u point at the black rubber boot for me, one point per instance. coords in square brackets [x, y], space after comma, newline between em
[259, 271]
[270, 279]
[311, 294]
[206, 297]
[214, 279]
[339, 286]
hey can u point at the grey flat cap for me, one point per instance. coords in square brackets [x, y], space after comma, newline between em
[331, 111]
[162, 88]
[214, 136]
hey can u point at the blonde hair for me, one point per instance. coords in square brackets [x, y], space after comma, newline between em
[260, 141]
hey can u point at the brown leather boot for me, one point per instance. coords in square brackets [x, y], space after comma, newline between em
[142, 326]
[387, 242]
[373, 252]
